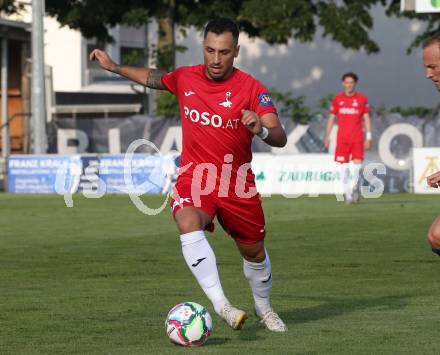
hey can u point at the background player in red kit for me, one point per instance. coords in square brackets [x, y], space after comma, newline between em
[350, 107]
[222, 109]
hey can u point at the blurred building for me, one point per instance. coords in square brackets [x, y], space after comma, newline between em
[15, 39]
[80, 86]
[77, 86]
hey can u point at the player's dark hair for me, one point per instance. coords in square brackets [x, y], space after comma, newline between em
[221, 25]
[350, 75]
[435, 39]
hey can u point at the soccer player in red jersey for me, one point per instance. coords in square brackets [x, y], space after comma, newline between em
[350, 107]
[431, 61]
[222, 109]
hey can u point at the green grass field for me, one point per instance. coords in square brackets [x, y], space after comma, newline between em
[100, 277]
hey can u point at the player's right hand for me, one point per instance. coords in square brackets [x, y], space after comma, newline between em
[434, 180]
[103, 58]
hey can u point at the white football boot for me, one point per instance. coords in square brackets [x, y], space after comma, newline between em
[233, 316]
[348, 198]
[272, 321]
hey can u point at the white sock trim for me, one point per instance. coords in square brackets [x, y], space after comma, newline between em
[192, 237]
[254, 265]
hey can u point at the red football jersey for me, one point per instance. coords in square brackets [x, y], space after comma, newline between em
[349, 111]
[211, 116]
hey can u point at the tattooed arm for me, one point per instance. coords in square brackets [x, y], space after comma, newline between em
[148, 77]
[144, 76]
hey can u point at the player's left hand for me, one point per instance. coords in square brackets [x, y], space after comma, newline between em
[251, 121]
[434, 180]
[368, 144]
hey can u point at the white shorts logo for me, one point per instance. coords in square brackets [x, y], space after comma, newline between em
[181, 201]
[340, 158]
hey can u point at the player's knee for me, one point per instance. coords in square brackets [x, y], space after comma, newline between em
[434, 235]
[258, 258]
[188, 221]
[189, 225]
[434, 240]
[254, 255]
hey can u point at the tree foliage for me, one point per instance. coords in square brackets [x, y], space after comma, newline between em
[167, 105]
[348, 22]
[9, 6]
[293, 107]
[276, 21]
[432, 22]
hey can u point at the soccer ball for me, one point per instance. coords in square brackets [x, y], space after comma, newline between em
[188, 324]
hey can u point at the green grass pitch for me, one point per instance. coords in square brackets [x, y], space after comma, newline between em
[99, 278]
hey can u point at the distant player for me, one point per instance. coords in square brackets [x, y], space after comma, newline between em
[431, 61]
[222, 109]
[350, 107]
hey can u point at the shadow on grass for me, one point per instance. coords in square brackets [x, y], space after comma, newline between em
[330, 308]
[334, 308]
[251, 329]
[217, 341]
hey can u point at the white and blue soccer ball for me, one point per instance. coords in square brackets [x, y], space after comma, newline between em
[188, 324]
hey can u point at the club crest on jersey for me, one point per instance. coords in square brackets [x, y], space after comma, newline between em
[264, 99]
[227, 103]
